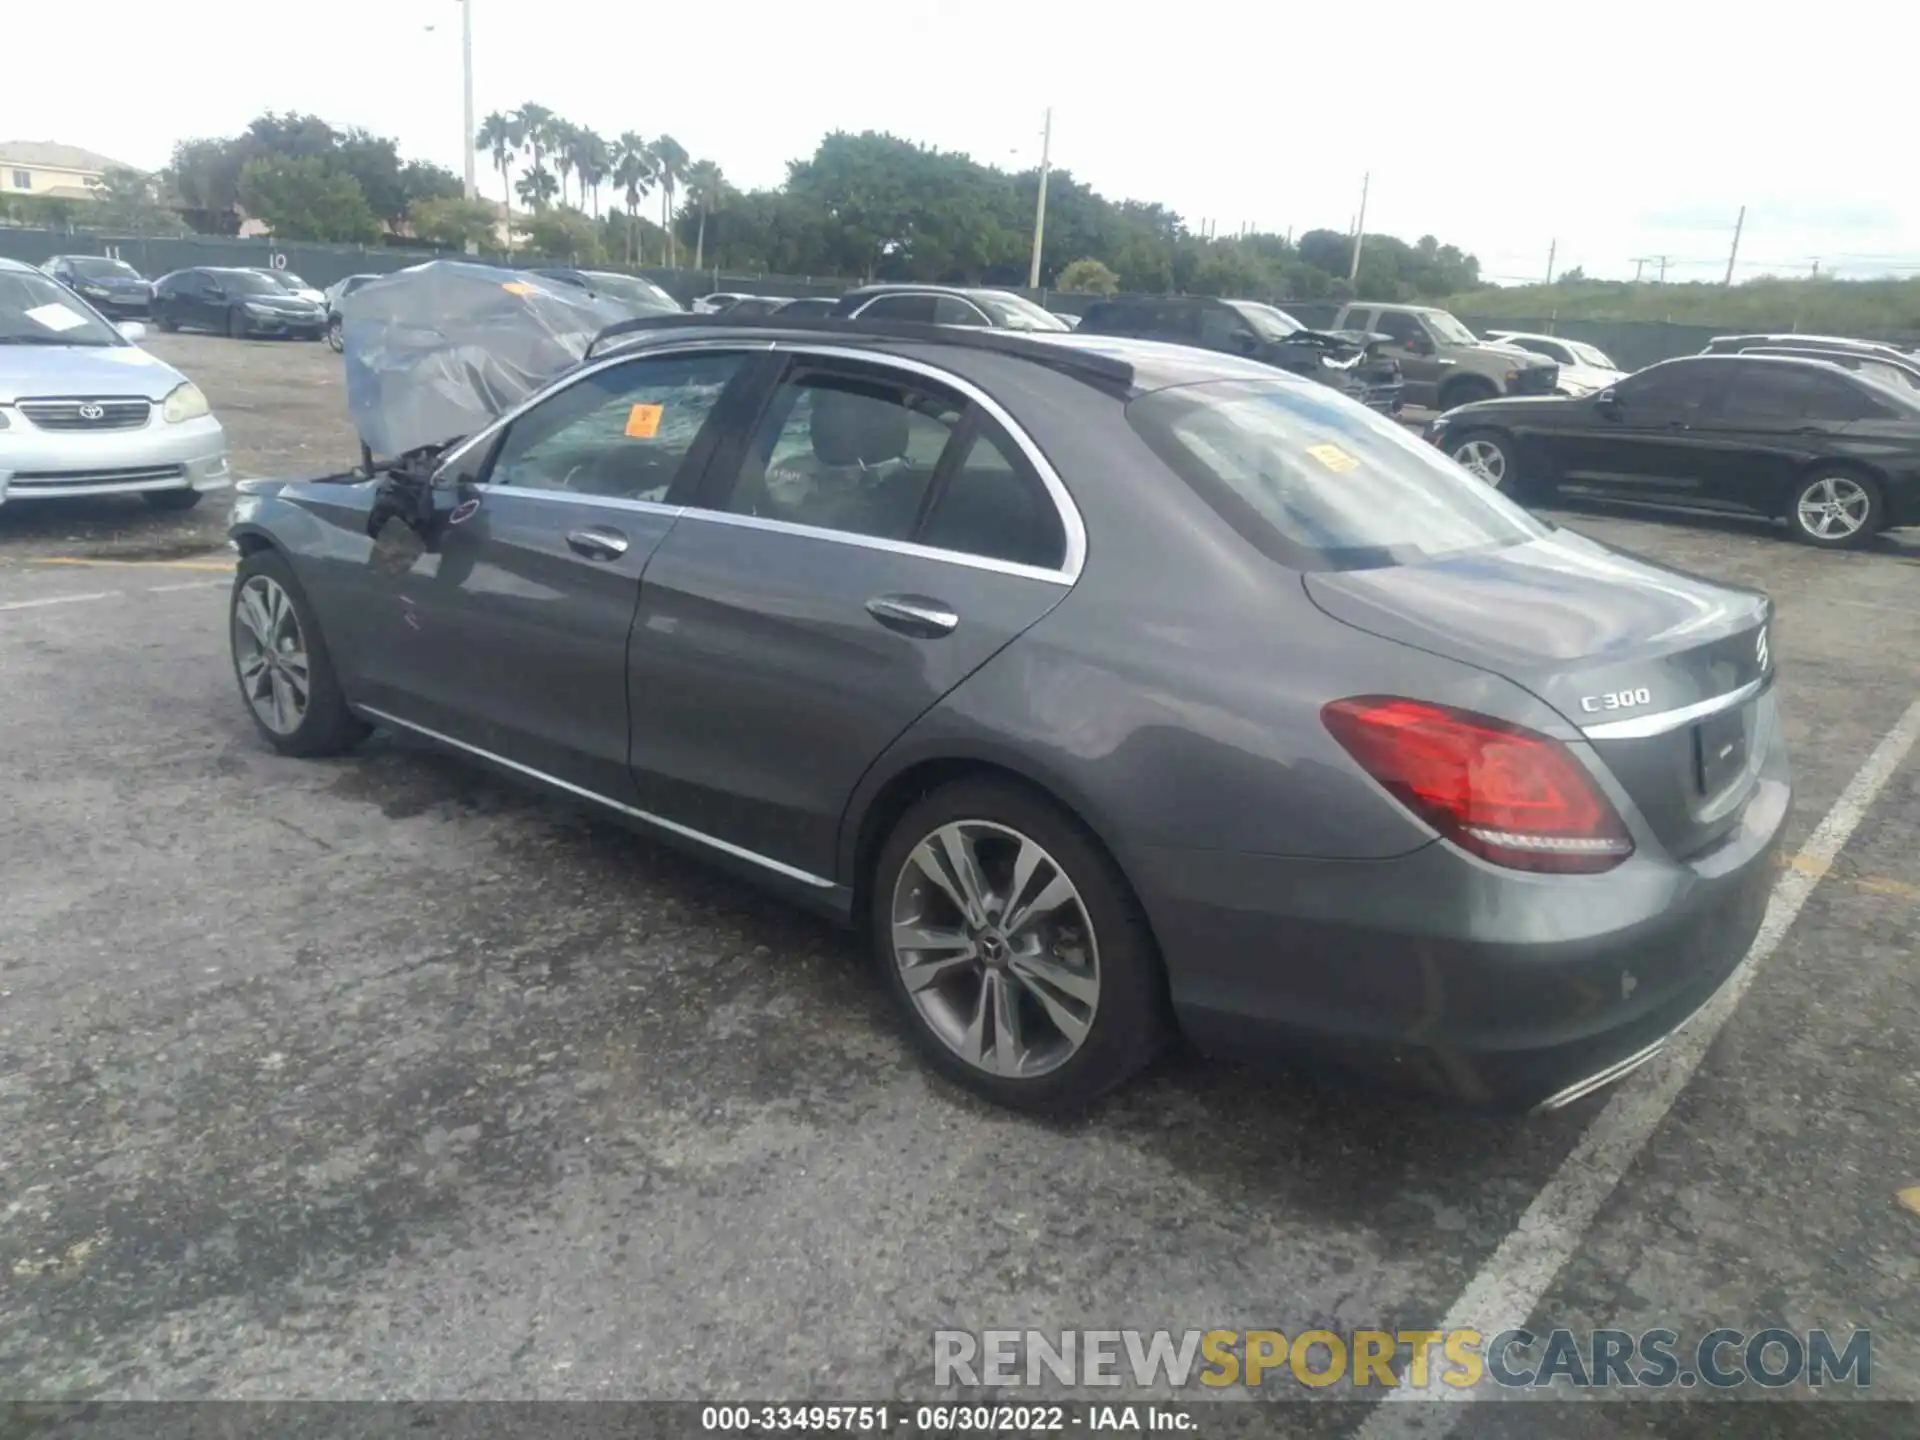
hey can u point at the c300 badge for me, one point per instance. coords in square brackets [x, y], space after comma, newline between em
[1616, 700]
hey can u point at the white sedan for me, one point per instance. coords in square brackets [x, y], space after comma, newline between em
[1584, 370]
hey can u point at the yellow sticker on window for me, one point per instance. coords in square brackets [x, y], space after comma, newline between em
[1333, 457]
[643, 422]
[517, 287]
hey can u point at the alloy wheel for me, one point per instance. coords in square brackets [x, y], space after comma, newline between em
[996, 949]
[1834, 508]
[1484, 460]
[270, 654]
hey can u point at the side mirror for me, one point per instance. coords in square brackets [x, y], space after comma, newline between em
[1419, 344]
[132, 331]
[1606, 402]
[1243, 342]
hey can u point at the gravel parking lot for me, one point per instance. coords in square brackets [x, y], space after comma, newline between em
[382, 1077]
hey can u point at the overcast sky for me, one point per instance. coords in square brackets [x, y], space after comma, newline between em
[1616, 129]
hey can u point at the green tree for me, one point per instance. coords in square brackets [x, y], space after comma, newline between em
[303, 198]
[634, 173]
[706, 189]
[563, 233]
[592, 159]
[501, 137]
[453, 221]
[129, 202]
[205, 174]
[563, 140]
[537, 187]
[1089, 275]
[670, 169]
[535, 122]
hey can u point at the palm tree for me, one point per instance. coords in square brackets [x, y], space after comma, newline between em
[562, 138]
[537, 187]
[634, 173]
[592, 159]
[500, 137]
[706, 187]
[670, 163]
[535, 121]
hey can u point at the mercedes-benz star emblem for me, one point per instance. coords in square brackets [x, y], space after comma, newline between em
[1760, 650]
[91, 411]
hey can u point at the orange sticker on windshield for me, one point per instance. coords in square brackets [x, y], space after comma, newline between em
[517, 287]
[643, 421]
[1333, 457]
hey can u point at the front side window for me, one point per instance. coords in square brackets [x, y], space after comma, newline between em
[247, 282]
[1678, 389]
[1403, 329]
[919, 309]
[1318, 482]
[1224, 329]
[623, 432]
[1449, 330]
[1273, 324]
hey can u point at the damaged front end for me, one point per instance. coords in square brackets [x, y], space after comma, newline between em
[439, 352]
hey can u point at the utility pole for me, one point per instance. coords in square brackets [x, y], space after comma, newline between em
[1553, 248]
[1040, 205]
[1639, 264]
[1359, 230]
[466, 79]
[1816, 267]
[1734, 254]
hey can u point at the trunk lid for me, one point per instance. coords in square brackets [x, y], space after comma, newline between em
[1621, 647]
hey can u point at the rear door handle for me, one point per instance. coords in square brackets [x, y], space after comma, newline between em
[913, 615]
[597, 542]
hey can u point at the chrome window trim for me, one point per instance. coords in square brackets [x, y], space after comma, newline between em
[1074, 527]
[1645, 727]
[986, 320]
[727, 847]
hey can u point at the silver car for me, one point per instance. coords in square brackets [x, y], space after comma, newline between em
[85, 411]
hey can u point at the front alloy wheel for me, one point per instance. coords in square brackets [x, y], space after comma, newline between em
[1484, 459]
[1836, 511]
[996, 949]
[270, 654]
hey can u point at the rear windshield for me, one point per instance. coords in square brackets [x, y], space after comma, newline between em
[1319, 482]
[1016, 312]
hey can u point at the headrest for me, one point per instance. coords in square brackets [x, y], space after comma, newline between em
[853, 429]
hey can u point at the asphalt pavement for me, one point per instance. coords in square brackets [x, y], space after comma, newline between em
[382, 1077]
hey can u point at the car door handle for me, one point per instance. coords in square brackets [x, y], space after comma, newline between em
[597, 542]
[913, 615]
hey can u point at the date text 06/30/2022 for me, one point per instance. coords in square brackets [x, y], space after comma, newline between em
[944, 1419]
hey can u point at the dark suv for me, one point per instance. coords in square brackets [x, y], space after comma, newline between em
[1353, 364]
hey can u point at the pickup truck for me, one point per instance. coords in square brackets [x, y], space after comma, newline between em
[1442, 362]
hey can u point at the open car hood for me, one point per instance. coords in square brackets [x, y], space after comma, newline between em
[439, 350]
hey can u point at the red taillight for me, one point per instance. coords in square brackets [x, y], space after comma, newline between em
[1509, 795]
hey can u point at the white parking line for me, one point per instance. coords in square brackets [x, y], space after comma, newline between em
[1503, 1295]
[60, 600]
[188, 585]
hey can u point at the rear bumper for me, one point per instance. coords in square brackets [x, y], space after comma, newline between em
[41, 465]
[1436, 972]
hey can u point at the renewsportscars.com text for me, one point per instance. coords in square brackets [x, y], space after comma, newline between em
[1389, 1359]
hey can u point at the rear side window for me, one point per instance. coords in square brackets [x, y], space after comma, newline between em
[1778, 392]
[1318, 482]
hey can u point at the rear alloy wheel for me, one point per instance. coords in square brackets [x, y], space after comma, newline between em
[1014, 949]
[336, 334]
[285, 673]
[1485, 457]
[165, 320]
[1835, 510]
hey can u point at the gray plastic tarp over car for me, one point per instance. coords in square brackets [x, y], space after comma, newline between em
[439, 350]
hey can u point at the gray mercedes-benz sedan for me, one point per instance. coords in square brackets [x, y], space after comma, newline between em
[1113, 689]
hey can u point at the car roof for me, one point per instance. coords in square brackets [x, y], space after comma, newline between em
[20, 265]
[1138, 366]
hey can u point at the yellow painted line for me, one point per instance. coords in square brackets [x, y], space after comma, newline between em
[1910, 1197]
[223, 567]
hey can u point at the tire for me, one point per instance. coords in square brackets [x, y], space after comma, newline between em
[325, 726]
[166, 323]
[1488, 457]
[1466, 391]
[336, 335]
[237, 323]
[1835, 508]
[1092, 955]
[173, 499]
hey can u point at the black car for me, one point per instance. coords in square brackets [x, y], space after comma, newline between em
[112, 287]
[947, 305]
[240, 303]
[1836, 456]
[1109, 687]
[631, 292]
[1357, 365]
